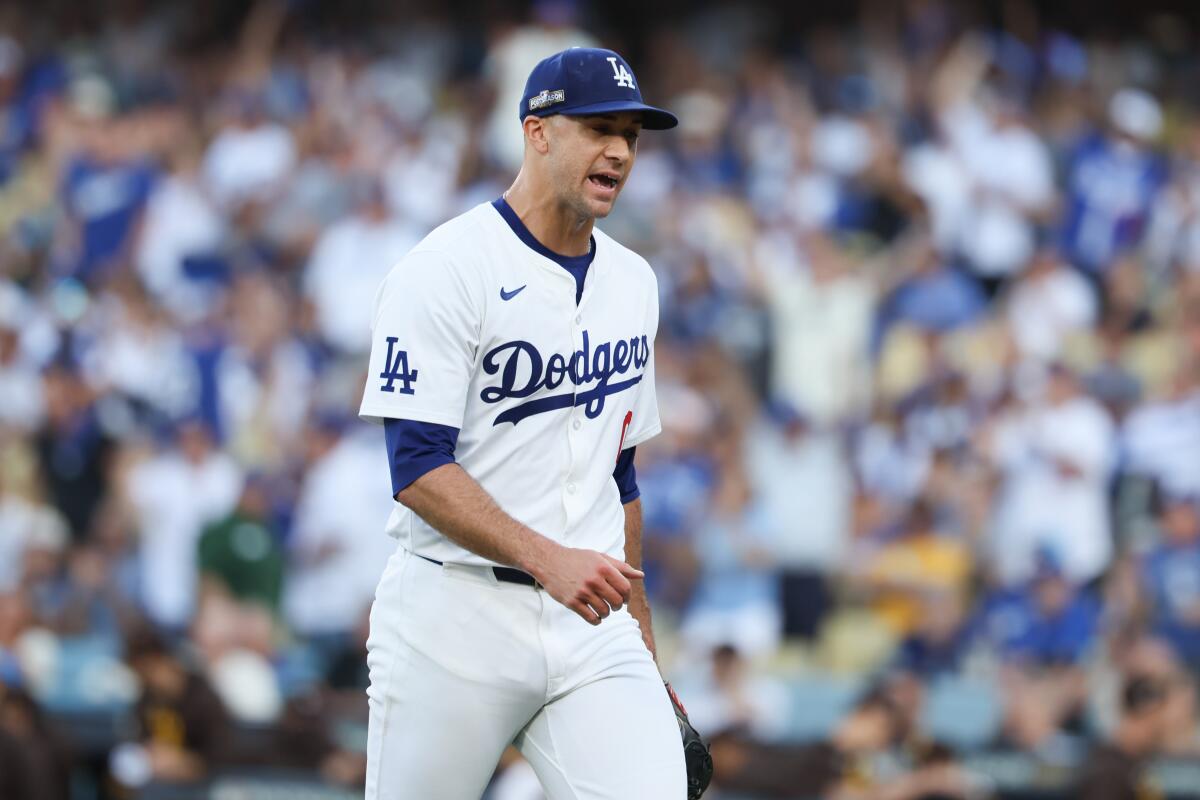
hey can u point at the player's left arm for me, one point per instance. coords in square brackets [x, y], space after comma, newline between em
[643, 423]
[639, 605]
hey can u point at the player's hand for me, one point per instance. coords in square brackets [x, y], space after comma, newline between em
[591, 584]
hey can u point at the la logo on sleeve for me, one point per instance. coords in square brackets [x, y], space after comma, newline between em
[395, 368]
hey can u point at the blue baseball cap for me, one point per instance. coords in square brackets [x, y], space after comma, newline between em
[588, 80]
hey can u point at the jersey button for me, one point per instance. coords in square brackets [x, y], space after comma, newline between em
[576, 424]
[570, 488]
[578, 318]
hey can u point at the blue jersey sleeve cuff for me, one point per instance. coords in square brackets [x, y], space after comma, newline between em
[626, 476]
[415, 448]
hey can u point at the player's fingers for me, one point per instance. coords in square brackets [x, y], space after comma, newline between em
[585, 612]
[611, 596]
[591, 595]
[619, 583]
[625, 569]
[599, 605]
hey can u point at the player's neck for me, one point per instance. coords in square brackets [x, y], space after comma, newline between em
[556, 227]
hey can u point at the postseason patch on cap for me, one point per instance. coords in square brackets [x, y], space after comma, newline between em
[547, 98]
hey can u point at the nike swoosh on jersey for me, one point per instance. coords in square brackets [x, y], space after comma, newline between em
[510, 295]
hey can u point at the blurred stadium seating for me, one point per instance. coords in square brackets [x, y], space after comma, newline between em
[929, 369]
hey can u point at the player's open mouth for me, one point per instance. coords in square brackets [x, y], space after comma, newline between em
[606, 182]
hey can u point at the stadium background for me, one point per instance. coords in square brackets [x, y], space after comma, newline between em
[928, 365]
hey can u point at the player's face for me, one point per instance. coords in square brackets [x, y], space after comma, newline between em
[593, 159]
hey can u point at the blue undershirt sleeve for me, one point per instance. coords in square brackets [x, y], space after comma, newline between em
[626, 476]
[415, 448]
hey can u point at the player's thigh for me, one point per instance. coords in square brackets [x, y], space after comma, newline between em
[612, 739]
[443, 701]
[434, 738]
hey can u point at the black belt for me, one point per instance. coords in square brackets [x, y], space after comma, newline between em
[506, 574]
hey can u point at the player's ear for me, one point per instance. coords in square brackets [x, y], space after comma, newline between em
[535, 133]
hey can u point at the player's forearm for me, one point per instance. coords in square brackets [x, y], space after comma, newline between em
[639, 604]
[457, 506]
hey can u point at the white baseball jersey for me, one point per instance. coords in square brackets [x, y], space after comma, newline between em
[476, 330]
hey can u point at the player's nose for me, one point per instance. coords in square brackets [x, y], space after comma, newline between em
[618, 150]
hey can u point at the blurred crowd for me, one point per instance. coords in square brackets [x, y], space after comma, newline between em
[928, 365]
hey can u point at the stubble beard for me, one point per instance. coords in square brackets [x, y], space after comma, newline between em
[577, 204]
[572, 197]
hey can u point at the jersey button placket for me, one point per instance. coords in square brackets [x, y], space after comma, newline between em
[570, 486]
[576, 424]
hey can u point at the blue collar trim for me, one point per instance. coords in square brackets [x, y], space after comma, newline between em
[569, 263]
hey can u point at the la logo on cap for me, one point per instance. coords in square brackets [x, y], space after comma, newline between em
[620, 74]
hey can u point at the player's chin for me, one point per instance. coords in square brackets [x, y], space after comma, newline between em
[602, 211]
[601, 204]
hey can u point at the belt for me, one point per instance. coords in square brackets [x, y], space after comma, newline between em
[506, 574]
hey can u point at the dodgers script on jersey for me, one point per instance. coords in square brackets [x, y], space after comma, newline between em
[476, 330]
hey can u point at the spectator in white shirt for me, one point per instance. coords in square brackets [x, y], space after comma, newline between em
[180, 221]
[821, 316]
[1161, 438]
[174, 494]
[1010, 180]
[23, 519]
[984, 182]
[250, 158]
[337, 548]
[509, 62]
[265, 376]
[801, 476]
[140, 355]
[1055, 458]
[349, 262]
[20, 385]
[725, 695]
[1049, 302]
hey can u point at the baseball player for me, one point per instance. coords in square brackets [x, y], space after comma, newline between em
[512, 366]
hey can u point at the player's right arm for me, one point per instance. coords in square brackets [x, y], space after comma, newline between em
[585, 581]
[425, 334]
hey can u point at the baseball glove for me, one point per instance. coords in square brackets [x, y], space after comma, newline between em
[695, 752]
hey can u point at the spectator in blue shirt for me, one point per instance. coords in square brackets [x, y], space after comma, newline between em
[1171, 578]
[737, 594]
[676, 478]
[103, 194]
[14, 122]
[934, 297]
[1112, 182]
[1047, 623]
[27, 83]
[938, 645]
[1042, 633]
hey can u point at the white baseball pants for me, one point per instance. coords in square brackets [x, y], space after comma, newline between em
[461, 665]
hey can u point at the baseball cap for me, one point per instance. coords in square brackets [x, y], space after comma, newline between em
[1136, 113]
[588, 80]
